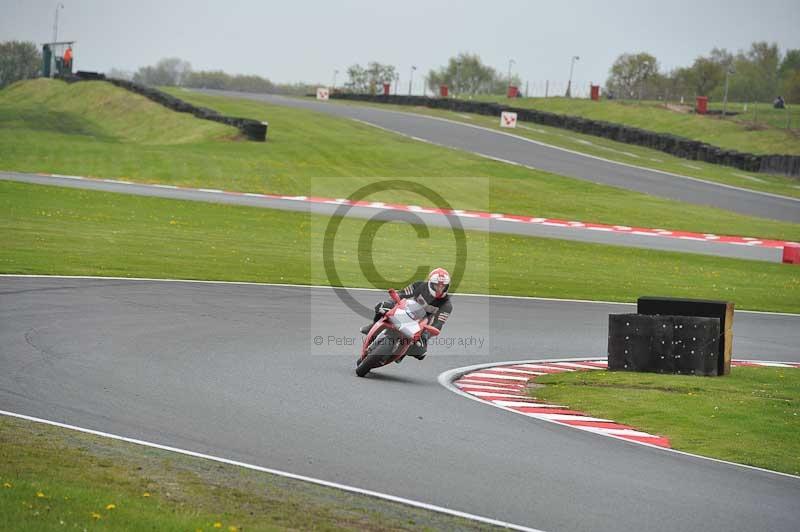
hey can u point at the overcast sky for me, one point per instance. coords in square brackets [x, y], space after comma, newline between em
[306, 40]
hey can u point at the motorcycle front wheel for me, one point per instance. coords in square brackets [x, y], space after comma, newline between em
[377, 356]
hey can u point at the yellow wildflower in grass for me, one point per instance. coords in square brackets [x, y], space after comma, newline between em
[217, 525]
[7, 484]
[110, 506]
[40, 495]
[145, 494]
[96, 515]
[233, 529]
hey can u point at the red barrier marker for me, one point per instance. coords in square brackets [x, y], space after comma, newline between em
[791, 253]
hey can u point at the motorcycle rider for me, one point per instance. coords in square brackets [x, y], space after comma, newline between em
[433, 295]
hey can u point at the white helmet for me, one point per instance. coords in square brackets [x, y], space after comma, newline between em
[439, 283]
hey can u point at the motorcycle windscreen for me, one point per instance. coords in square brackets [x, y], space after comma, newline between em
[405, 323]
[415, 310]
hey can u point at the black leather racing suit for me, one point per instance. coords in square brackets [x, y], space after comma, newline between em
[438, 310]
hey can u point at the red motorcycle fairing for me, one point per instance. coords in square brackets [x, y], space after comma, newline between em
[384, 323]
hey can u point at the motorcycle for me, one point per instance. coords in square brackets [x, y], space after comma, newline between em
[397, 331]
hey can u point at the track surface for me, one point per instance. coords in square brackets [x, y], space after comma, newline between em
[232, 370]
[496, 226]
[551, 159]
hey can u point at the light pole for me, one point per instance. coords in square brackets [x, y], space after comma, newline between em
[411, 78]
[458, 77]
[59, 6]
[510, 62]
[728, 71]
[396, 82]
[335, 73]
[571, 69]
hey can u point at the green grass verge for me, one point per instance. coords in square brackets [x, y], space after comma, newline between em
[305, 148]
[759, 115]
[750, 417]
[98, 112]
[733, 132]
[56, 479]
[48, 230]
[618, 151]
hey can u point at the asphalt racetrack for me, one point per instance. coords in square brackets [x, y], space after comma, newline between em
[563, 162]
[265, 375]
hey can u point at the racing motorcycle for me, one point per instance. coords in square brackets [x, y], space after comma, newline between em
[394, 334]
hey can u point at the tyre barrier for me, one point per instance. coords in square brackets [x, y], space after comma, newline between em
[672, 144]
[251, 129]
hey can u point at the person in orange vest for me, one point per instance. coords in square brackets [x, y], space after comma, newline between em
[68, 59]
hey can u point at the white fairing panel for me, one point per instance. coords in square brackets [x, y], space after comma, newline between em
[405, 320]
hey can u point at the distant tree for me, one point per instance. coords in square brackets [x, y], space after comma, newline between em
[754, 74]
[356, 79]
[369, 79]
[467, 74]
[789, 74]
[790, 63]
[19, 60]
[208, 79]
[790, 88]
[116, 73]
[378, 73]
[705, 75]
[766, 60]
[630, 72]
[721, 56]
[171, 71]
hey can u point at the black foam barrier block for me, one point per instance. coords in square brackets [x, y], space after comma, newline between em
[704, 308]
[629, 346]
[695, 345]
[663, 344]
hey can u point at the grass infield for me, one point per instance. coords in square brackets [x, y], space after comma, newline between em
[51, 230]
[750, 417]
[57, 479]
[48, 126]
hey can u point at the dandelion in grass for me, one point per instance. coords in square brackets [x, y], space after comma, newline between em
[145, 494]
[7, 485]
[110, 506]
[217, 525]
[96, 516]
[233, 529]
[40, 495]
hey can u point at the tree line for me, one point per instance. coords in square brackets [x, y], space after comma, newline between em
[19, 60]
[175, 72]
[758, 74]
[463, 74]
